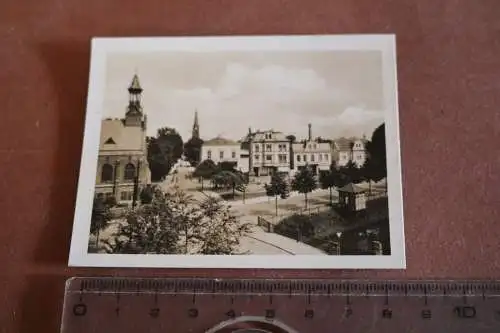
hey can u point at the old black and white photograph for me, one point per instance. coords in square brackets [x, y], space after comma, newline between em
[241, 152]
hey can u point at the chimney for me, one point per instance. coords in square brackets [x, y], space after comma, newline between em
[309, 131]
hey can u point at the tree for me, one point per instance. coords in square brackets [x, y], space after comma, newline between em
[163, 151]
[192, 150]
[148, 230]
[186, 217]
[327, 181]
[304, 182]
[377, 154]
[339, 178]
[158, 163]
[205, 170]
[147, 194]
[227, 166]
[292, 138]
[100, 217]
[352, 172]
[278, 186]
[221, 232]
[174, 223]
[228, 179]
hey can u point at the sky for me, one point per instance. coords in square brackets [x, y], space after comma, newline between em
[339, 92]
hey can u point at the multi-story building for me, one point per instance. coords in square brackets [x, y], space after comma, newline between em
[220, 150]
[122, 166]
[349, 149]
[315, 154]
[269, 152]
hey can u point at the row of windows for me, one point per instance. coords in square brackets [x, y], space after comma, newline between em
[221, 154]
[321, 158]
[105, 196]
[282, 158]
[124, 196]
[269, 147]
[108, 172]
[357, 157]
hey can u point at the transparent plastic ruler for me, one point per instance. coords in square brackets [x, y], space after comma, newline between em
[283, 306]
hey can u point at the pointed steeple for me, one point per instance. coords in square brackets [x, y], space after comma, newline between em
[135, 85]
[196, 126]
[133, 116]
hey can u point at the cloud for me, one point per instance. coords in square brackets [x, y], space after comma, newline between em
[264, 97]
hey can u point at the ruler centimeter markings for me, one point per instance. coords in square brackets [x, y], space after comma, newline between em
[282, 306]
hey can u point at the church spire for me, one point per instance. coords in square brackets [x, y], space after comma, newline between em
[133, 116]
[196, 126]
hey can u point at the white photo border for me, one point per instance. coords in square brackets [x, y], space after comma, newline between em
[101, 47]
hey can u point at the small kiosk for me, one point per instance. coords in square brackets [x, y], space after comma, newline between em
[352, 198]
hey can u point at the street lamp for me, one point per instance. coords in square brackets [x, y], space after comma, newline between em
[336, 243]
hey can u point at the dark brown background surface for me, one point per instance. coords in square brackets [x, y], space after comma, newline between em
[449, 84]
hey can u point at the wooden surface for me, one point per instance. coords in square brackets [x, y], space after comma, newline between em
[449, 84]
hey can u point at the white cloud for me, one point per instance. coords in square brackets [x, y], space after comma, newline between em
[273, 96]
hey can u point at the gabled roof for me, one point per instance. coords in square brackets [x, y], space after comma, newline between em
[275, 136]
[351, 188]
[343, 144]
[124, 137]
[220, 141]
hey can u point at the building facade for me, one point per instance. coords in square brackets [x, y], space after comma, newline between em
[269, 152]
[312, 153]
[345, 150]
[224, 150]
[122, 167]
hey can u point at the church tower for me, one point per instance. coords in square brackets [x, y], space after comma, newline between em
[134, 115]
[196, 127]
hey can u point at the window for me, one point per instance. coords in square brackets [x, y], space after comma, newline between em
[305, 158]
[129, 172]
[221, 154]
[312, 157]
[269, 147]
[282, 158]
[126, 196]
[107, 173]
[282, 147]
[320, 157]
[298, 158]
[257, 157]
[326, 157]
[269, 157]
[209, 154]
[256, 148]
[233, 154]
[268, 135]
